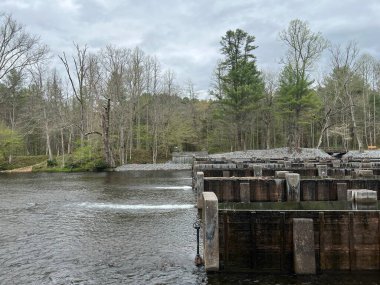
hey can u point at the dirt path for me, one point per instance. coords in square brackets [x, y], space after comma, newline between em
[24, 169]
[19, 170]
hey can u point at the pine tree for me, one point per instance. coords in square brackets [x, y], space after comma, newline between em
[240, 81]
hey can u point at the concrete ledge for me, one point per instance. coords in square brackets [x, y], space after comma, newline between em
[210, 231]
[280, 174]
[362, 195]
[363, 173]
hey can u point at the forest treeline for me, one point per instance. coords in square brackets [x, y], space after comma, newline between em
[118, 105]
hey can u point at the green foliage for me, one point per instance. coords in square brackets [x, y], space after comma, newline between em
[85, 158]
[296, 94]
[297, 102]
[10, 141]
[51, 163]
[241, 84]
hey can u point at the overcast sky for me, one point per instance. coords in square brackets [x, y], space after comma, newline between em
[185, 35]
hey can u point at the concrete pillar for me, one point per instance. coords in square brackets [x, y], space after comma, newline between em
[245, 193]
[366, 165]
[336, 163]
[287, 164]
[309, 165]
[292, 186]
[303, 246]
[280, 174]
[226, 173]
[200, 188]
[322, 170]
[240, 165]
[210, 231]
[341, 191]
[258, 170]
[364, 172]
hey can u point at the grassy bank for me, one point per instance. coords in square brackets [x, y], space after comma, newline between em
[76, 162]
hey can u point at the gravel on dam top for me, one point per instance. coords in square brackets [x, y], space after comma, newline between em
[274, 153]
[362, 154]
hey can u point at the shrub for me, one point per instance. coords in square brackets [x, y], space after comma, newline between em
[51, 163]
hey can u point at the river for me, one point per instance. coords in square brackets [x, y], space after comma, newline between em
[111, 228]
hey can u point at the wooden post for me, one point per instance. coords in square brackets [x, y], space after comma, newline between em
[351, 241]
[341, 191]
[378, 235]
[283, 242]
[322, 255]
[226, 238]
[253, 239]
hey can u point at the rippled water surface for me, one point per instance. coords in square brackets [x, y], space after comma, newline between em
[110, 228]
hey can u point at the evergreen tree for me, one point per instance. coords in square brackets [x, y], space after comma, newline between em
[297, 102]
[240, 82]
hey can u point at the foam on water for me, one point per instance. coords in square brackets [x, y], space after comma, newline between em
[135, 207]
[174, 187]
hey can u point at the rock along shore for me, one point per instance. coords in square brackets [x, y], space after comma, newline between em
[157, 166]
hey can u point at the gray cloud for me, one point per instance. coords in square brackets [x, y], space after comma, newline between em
[185, 35]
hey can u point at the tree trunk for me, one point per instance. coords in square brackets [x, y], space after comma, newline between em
[353, 120]
[267, 138]
[122, 145]
[48, 146]
[155, 145]
[63, 148]
[105, 128]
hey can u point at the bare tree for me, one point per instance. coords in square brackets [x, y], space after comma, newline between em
[18, 49]
[114, 63]
[77, 81]
[344, 61]
[270, 89]
[367, 70]
[304, 49]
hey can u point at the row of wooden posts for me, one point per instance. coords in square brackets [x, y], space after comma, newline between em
[304, 242]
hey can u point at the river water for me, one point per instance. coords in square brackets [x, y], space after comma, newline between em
[111, 228]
